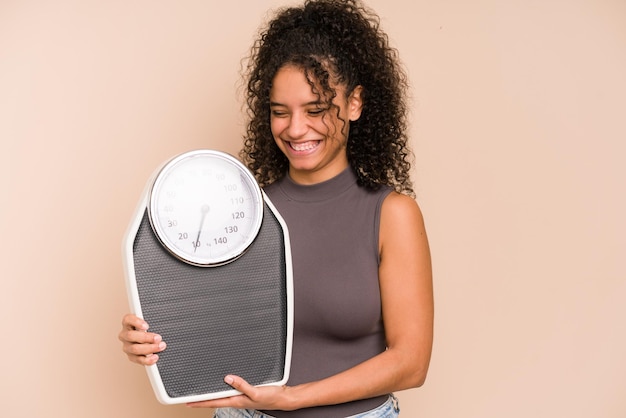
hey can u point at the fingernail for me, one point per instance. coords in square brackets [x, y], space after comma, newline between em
[229, 379]
[157, 338]
[161, 345]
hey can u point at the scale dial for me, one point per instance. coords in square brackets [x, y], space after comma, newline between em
[205, 207]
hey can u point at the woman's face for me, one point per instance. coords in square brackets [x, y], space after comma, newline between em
[311, 134]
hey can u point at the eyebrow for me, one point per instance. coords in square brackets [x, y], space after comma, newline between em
[313, 103]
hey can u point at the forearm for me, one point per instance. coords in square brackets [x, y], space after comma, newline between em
[390, 371]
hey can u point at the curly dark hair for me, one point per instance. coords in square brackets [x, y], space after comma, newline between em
[339, 40]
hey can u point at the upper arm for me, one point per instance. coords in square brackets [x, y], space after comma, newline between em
[405, 276]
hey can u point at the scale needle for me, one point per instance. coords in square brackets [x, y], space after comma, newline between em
[203, 210]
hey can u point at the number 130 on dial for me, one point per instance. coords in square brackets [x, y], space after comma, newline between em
[205, 207]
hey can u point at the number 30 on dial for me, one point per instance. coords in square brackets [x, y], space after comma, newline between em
[205, 207]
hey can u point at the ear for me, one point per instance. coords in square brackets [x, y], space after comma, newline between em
[355, 103]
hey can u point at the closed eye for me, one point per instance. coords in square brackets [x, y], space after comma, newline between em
[318, 111]
[278, 113]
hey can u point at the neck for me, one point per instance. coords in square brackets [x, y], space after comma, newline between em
[309, 177]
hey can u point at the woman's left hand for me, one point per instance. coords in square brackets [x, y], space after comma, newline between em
[264, 397]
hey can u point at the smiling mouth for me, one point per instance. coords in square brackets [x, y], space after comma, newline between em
[303, 146]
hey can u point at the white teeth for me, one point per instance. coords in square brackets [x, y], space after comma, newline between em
[304, 146]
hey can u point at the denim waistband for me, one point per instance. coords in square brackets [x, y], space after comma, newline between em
[389, 409]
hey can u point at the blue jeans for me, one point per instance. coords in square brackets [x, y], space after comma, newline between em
[390, 409]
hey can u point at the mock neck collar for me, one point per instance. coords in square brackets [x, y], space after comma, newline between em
[319, 191]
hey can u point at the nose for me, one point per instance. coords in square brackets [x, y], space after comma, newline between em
[298, 125]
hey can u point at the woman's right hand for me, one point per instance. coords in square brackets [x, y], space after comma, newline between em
[139, 345]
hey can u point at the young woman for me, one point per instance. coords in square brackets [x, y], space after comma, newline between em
[327, 141]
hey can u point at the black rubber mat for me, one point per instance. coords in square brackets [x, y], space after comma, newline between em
[230, 319]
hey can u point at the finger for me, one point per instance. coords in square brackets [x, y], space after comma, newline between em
[139, 337]
[221, 403]
[237, 401]
[241, 385]
[131, 321]
[148, 360]
[144, 354]
[143, 349]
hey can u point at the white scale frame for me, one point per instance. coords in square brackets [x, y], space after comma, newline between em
[131, 255]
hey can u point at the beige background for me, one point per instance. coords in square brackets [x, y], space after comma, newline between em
[518, 127]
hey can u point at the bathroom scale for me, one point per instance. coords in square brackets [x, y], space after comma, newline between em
[208, 266]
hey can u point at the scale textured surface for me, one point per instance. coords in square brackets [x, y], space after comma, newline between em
[230, 319]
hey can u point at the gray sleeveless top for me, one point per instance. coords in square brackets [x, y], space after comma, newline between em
[333, 228]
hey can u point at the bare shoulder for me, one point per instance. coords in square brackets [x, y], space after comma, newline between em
[400, 202]
[401, 225]
[399, 210]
